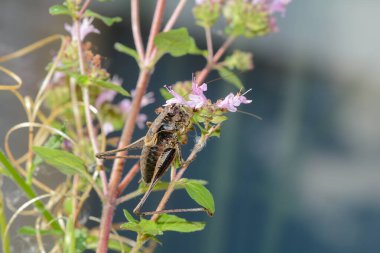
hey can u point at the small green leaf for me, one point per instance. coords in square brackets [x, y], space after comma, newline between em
[129, 216]
[201, 195]
[31, 231]
[218, 119]
[176, 42]
[127, 50]
[193, 49]
[144, 226]
[65, 162]
[216, 133]
[168, 222]
[59, 10]
[106, 20]
[165, 94]
[112, 86]
[230, 77]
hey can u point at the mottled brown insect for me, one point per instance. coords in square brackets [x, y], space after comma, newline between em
[160, 146]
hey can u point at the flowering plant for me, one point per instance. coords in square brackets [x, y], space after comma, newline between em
[78, 96]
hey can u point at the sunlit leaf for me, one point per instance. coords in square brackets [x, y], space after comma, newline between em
[112, 86]
[127, 50]
[168, 222]
[201, 195]
[106, 20]
[31, 231]
[64, 161]
[230, 77]
[59, 10]
[176, 42]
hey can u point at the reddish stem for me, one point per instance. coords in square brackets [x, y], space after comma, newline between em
[128, 178]
[156, 25]
[135, 20]
[202, 76]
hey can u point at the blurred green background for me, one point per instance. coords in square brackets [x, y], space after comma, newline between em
[304, 179]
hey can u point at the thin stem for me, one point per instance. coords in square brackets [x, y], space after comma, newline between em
[202, 76]
[128, 178]
[84, 7]
[75, 108]
[156, 25]
[86, 102]
[136, 30]
[109, 206]
[175, 15]
[209, 44]
[170, 23]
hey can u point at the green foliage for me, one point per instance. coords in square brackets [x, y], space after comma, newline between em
[106, 20]
[239, 60]
[31, 231]
[28, 191]
[112, 86]
[65, 162]
[230, 77]
[165, 222]
[59, 10]
[127, 50]
[176, 42]
[245, 19]
[207, 13]
[201, 195]
[168, 222]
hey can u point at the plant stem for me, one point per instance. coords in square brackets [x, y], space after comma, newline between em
[209, 45]
[135, 20]
[156, 25]
[110, 203]
[3, 223]
[204, 73]
[128, 178]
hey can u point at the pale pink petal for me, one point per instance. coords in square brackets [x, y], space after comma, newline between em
[107, 128]
[125, 106]
[178, 99]
[140, 121]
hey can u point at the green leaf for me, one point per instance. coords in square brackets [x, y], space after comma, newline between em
[165, 94]
[59, 10]
[28, 191]
[4, 172]
[65, 162]
[106, 20]
[129, 216]
[193, 49]
[31, 231]
[127, 50]
[218, 119]
[201, 195]
[176, 42]
[112, 86]
[230, 77]
[168, 222]
[144, 227]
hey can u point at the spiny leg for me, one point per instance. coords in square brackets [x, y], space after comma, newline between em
[111, 157]
[162, 165]
[135, 145]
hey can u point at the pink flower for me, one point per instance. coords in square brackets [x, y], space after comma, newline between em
[125, 107]
[108, 95]
[107, 128]
[147, 99]
[141, 119]
[178, 99]
[85, 28]
[278, 6]
[231, 101]
[197, 98]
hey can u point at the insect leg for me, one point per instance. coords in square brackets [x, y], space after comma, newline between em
[162, 165]
[110, 157]
[135, 145]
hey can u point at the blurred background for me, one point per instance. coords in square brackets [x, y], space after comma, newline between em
[304, 179]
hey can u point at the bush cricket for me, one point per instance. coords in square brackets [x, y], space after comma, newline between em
[160, 147]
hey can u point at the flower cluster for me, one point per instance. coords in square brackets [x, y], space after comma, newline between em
[197, 99]
[85, 28]
[124, 106]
